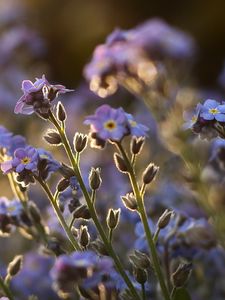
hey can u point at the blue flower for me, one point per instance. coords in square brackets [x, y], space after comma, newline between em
[191, 117]
[136, 129]
[24, 159]
[108, 123]
[211, 110]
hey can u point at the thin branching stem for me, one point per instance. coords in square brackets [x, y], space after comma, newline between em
[143, 216]
[91, 206]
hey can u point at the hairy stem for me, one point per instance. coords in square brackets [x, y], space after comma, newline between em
[143, 216]
[60, 217]
[6, 289]
[91, 207]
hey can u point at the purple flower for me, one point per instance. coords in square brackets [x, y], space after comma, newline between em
[211, 110]
[108, 123]
[80, 268]
[24, 159]
[37, 96]
[136, 129]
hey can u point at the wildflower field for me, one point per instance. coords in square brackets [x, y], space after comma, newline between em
[111, 178]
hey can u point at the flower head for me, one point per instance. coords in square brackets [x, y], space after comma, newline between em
[38, 96]
[213, 110]
[109, 123]
[113, 124]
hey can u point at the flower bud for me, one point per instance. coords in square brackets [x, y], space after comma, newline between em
[95, 178]
[113, 218]
[62, 185]
[136, 145]
[140, 260]
[149, 173]
[80, 142]
[84, 236]
[120, 163]
[164, 219]
[34, 212]
[66, 171]
[140, 275]
[129, 201]
[15, 265]
[52, 137]
[60, 112]
[82, 212]
[181, 275]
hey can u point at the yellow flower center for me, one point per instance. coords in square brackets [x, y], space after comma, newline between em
[133, 123]
[11, 208]
[194, 119]
[25, 160]
[110, 125]
[213, 111]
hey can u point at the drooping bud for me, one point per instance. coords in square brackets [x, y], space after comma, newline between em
[15, 266]
[52, 137]
[95, 178]
[120, 163]
[149, 173]
[140, 275]
[136, 145]
[66, 171]
[82, 212]
[34, 212]
[84, 236]
[80, 142]
[140, 260]
[63, 184]
[129, 201]
[181, 275]
[60, 112]
[113, 217]
[164, 219]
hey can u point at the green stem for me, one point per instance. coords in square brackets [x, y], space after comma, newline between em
[156, 235]
[173, 293]
[143, 216]
[91, 207]
[6, 289]
[61, 219]
[143, 291]
[110, 235]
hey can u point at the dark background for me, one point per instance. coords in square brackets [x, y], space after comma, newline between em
[73, 28]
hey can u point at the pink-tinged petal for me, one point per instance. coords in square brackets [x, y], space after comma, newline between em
[19, 105]
[20, 168]
[20, 153]
[27, 85]
[6, 166]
